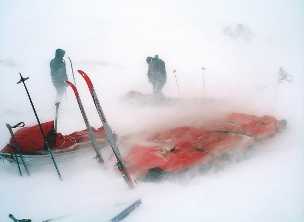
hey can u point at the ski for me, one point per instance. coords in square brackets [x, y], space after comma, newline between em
[46, 145]
[109, 133]
[86, 121]
[123, 214]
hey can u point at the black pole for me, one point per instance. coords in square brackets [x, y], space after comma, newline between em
[123, 214]
[18, 164]
[11, 216]
[17, 148]
[22, 79]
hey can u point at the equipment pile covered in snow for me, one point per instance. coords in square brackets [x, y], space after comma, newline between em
[168, 151]
[178, 149]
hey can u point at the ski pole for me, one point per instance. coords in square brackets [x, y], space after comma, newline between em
[56, 115]
[54, 219]
[109, 133]
[72, 70]
[22, 80]
[11, 216]
[17, 148]
[18, 164]
[203, 80]
[176, 82]
[86, 121]
[123, 214]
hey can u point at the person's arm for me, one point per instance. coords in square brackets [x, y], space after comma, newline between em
[51, 66]
[149, 75]
[165, 71]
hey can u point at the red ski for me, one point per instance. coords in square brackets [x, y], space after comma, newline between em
[87, 123]
[108, 131]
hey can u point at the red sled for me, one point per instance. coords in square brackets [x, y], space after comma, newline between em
[30, 141]
[179, 149]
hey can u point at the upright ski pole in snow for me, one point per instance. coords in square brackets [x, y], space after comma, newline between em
[17, 148]
[56, 116]
[203, 80]
[176, 82]
[109, 133]
[15, 154]
[86, 121]
[46, 145]
[72, 70]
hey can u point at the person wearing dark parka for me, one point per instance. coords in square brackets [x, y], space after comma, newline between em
[157, 74]
[58, 73]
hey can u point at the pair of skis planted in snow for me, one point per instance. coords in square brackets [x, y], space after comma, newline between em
[108, 131]
[87, 123]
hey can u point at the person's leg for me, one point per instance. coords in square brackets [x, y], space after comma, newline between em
[59, 106]
[154, 85]
[159, 86]
[60, 92]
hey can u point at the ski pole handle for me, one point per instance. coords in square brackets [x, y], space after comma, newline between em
[22, 79]
[21, 124]
[16, 220]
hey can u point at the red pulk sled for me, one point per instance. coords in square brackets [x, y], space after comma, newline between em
[181, 148]
[30, 140]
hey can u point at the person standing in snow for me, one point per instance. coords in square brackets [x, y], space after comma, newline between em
[58, 73]
[157, 74]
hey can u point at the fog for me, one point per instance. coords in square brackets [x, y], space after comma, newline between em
[241, 45]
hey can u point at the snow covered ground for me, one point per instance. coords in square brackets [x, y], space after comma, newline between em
[242, 45]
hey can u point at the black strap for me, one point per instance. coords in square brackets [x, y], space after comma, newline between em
[21, 124]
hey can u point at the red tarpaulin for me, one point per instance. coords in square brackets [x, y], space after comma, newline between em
[30, 140]
[179, 148]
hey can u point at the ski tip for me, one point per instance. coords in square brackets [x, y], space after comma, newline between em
[81, 72]
[86, 78]
[73, 87]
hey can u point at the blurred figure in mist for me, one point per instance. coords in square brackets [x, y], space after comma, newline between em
[58, 74]
[157, 74]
